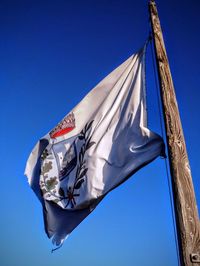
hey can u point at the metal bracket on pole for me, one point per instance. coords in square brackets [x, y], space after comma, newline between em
[195, 257]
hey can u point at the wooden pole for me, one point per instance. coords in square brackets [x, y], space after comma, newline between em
[186, 213]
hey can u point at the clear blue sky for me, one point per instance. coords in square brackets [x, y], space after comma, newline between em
[51, 54]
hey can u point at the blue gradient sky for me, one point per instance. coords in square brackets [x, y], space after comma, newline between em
[51, 54]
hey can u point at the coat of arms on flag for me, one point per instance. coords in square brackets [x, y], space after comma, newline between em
[63, 169]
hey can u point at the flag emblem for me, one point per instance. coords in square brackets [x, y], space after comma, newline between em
[63, 182]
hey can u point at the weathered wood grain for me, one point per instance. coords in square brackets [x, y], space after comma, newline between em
[187, 219]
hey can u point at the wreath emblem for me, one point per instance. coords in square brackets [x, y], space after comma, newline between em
[54, 188]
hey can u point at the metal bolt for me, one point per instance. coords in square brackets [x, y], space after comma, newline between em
[195, 257]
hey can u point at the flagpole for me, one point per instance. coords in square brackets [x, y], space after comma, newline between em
[186, 213]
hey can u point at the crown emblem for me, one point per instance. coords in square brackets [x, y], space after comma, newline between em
[64, 127]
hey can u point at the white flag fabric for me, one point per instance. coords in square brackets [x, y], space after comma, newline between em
[95, 148]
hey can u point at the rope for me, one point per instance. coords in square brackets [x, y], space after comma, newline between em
[166, 165]
[54, 249]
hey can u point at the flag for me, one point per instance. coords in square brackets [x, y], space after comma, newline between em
[96, 147]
